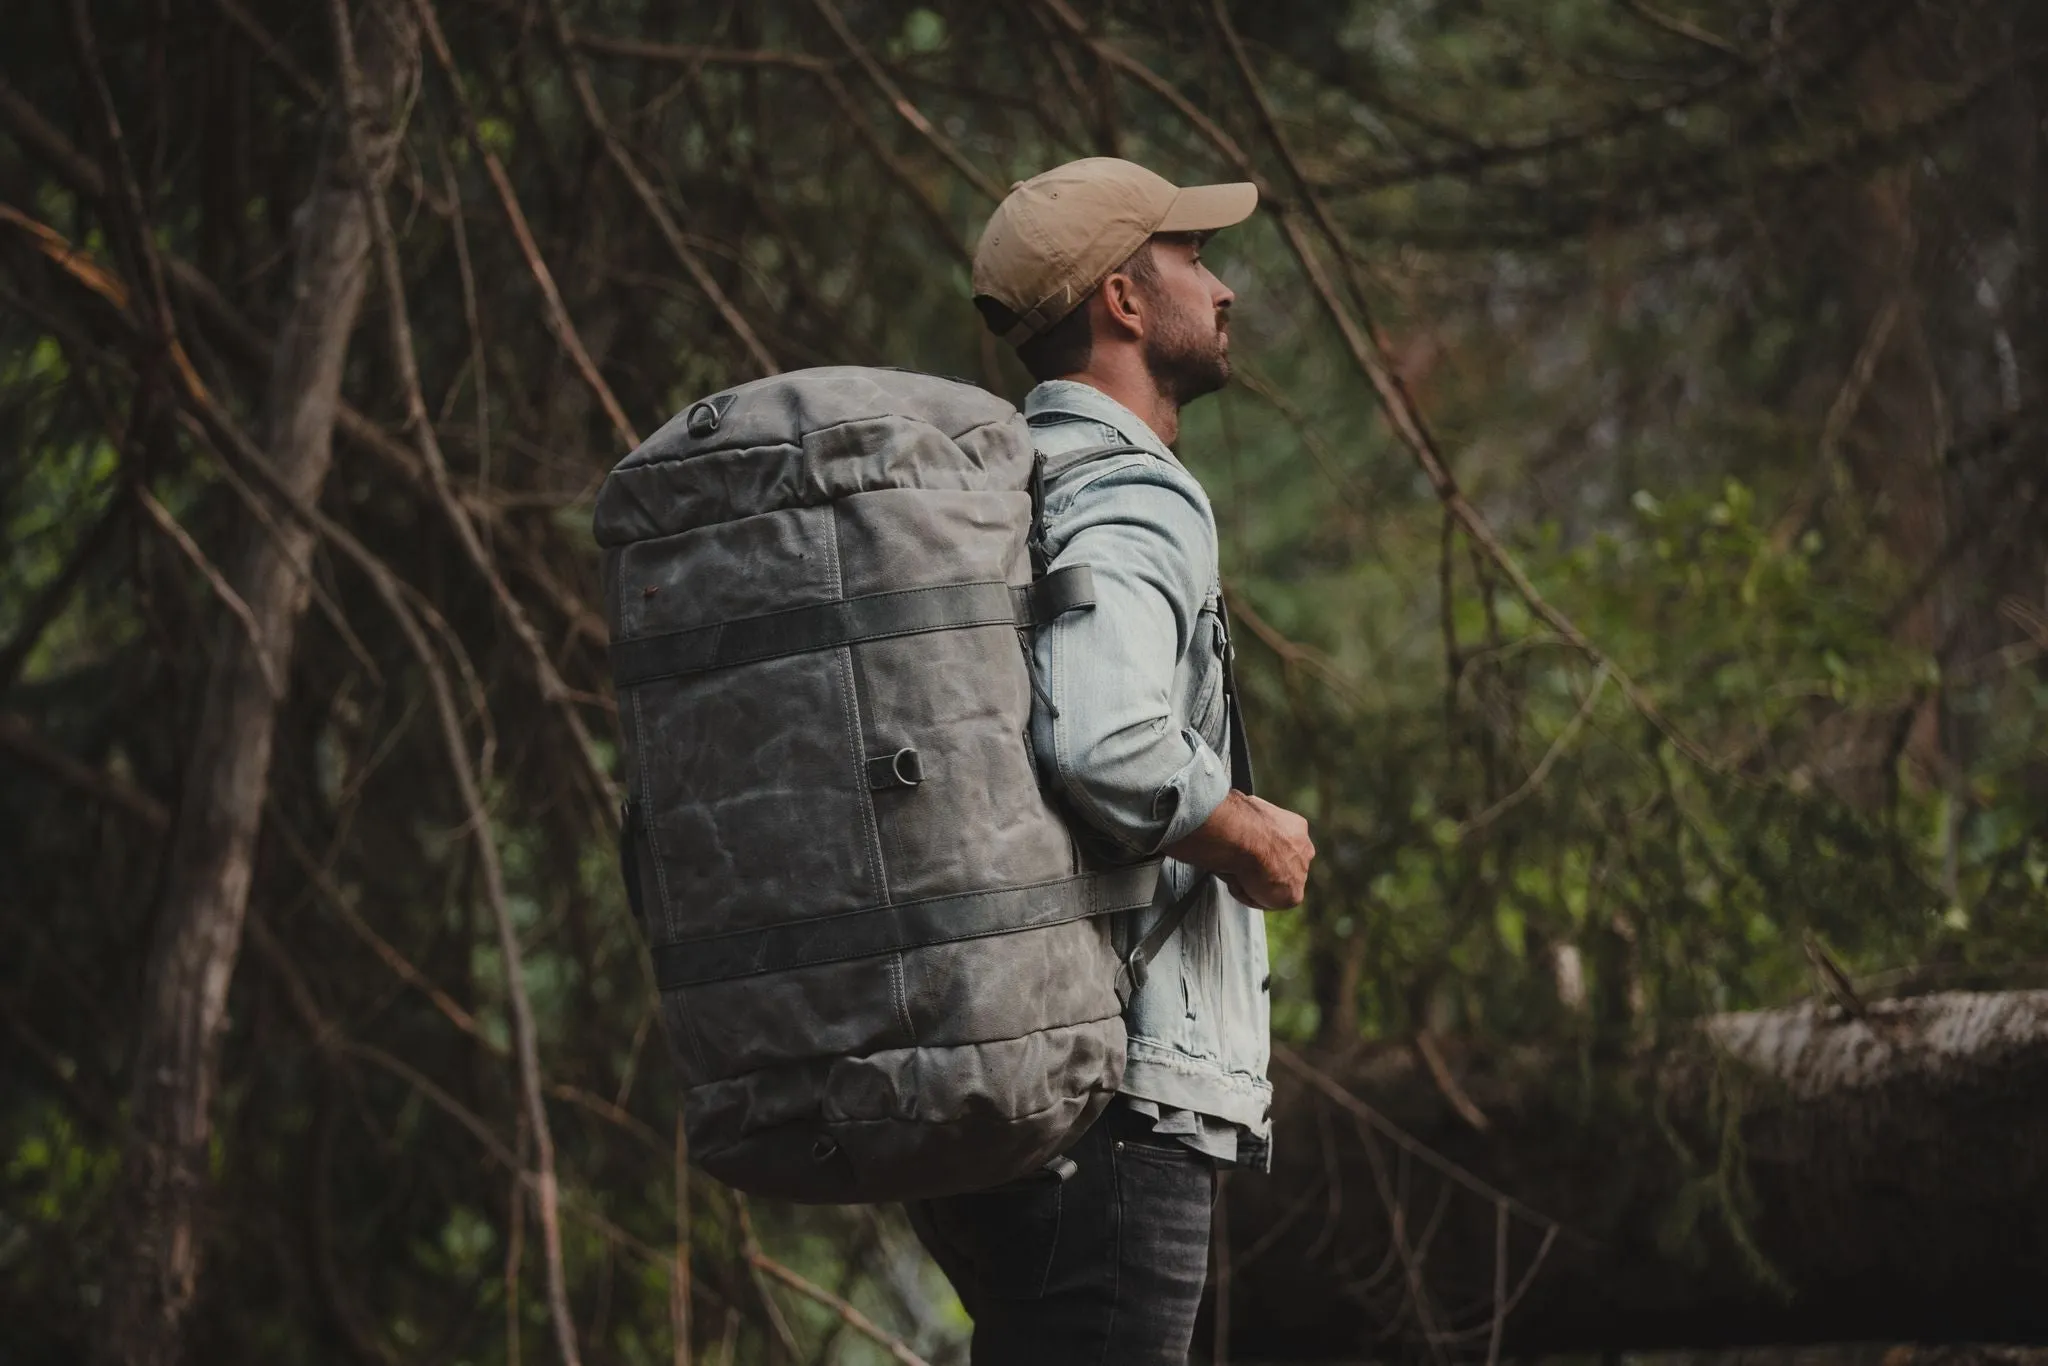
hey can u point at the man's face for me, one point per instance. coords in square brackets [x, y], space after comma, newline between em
[1187, 348]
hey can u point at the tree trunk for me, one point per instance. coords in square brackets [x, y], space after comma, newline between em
[1778, 1177]
[153, 1283]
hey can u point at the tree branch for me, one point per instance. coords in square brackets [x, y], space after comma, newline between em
[643, 190]
[1401, 411]
[555, 311]
[902, 104]
[21, 739]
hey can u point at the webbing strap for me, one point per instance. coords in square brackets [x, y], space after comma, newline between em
[908, 925]
[878, 616]
[1130, 973]
[1240, 745]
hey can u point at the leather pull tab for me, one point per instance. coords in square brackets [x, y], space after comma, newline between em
[902, 769]
[629, 858]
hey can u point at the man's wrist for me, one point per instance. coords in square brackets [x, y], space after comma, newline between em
[1227, 843]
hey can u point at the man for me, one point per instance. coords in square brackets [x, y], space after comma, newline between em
[1094, 272]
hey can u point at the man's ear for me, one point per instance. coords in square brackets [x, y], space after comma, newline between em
[1123, 305]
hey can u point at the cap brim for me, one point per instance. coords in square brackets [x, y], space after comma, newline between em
[1205, 208]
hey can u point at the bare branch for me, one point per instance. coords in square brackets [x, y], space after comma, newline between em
[1401, 1138]
[218, 581]
[901, 103]
[694, 55]
[557, 313]
[20, 738]
[644, 191]
[252, 28]
[896, 1347]
[51, 599]
[1542, 770]
[1400, 409]
[679, 1274]
[1683, 28]
[1440, 1072]
[552, 689]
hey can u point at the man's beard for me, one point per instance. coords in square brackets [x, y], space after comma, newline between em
[1187, 360]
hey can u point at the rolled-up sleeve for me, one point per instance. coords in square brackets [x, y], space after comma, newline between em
[1120, 756]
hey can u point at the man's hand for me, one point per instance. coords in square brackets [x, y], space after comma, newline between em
[1261, 851]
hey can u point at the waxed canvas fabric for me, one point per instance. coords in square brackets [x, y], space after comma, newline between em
[924, 1071]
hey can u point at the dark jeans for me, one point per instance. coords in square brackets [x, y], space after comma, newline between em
[1104, 1268]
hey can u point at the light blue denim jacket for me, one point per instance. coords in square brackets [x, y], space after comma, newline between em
[1134, 738]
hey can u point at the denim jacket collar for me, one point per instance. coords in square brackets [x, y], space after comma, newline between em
[1074, 399]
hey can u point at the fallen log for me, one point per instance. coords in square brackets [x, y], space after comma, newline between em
[1776, 1177]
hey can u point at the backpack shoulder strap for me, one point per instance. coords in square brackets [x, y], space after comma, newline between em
[1240, 745]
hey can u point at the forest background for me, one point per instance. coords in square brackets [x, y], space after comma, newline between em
[1631, 503]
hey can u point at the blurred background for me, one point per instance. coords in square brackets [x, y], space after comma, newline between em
[1631, 500]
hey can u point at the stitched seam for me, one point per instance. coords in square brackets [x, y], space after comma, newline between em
[1008, 621]
[856, 741]
[783, 1064]
[802, 437]
[873, 953]
[647, 827]
[1089, 891]
[1052, 1252]
[841, 601]
[840, 1123]
[1114, 465]
[682, 1011]
[719, 627]
[682, 1014]
[902, 995]
[647, 824]
[1116, 1292]
[979, 426]
[656, 462]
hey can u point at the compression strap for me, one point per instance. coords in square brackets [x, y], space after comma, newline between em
[878, 616]
[873, 930]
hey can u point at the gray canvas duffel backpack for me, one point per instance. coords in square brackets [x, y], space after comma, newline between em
[887, 969]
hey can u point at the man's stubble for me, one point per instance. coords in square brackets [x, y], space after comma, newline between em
[1188, 355]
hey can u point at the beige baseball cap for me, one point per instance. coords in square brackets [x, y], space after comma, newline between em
[1057, 235]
